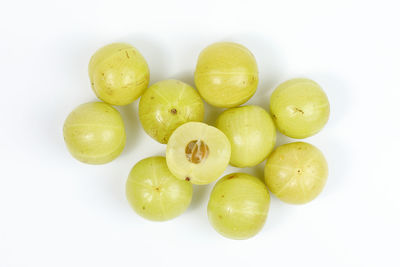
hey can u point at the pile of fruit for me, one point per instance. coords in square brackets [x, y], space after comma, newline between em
[171, 112]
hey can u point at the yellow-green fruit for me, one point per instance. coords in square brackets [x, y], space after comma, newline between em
[198, 153]
[238, 206]
[226, 74]
[94, 133]
[155, 193]
[299, 107]
[119, 74]
[296, 173]
[166, 105]
[251, 133]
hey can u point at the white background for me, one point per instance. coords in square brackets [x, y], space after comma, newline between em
[56, 211]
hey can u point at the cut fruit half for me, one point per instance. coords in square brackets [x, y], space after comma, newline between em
[198, 153]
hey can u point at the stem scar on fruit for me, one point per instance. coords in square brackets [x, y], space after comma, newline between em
[196, 151]
[299, 110]
[174, 111]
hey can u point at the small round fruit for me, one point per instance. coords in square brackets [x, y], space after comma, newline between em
[251, 133]
[198, 153]
[238, 206]
[299, 107]
[226, 74]
[94, 133]
[166, 105]
[118, 73]
[296, 173]
[155, 193]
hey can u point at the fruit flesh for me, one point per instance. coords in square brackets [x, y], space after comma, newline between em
[118, 73]
[299, 107]
[94, 133]
[238, 206]
[155, 193]
[226, 74]
[296, 172]
[251, 132]
[166, 105]
[198, 152]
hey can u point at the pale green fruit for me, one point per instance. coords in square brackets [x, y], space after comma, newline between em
[166, 105]
[299, 107]
[238, 206]
[251, 133]
[198, 153]
[296, 173]
[118, 73]
[226, 74]
[155, 193]
[94, 133]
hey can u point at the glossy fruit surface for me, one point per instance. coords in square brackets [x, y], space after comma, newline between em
[296, 172]
[299, 107]
[226, 74]
[94, 133]
[118, 73]
[251, 132]
[198, 153]
[166, 105]
[155, 193]
[238, 206]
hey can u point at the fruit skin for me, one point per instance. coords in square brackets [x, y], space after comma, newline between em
[226, 74]
[296, 173]
[211, 167]
[166, 105]
[94, 133]
[118, 73]
[299, 107]
[238, 206]
[251, 132]
[155, 193]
